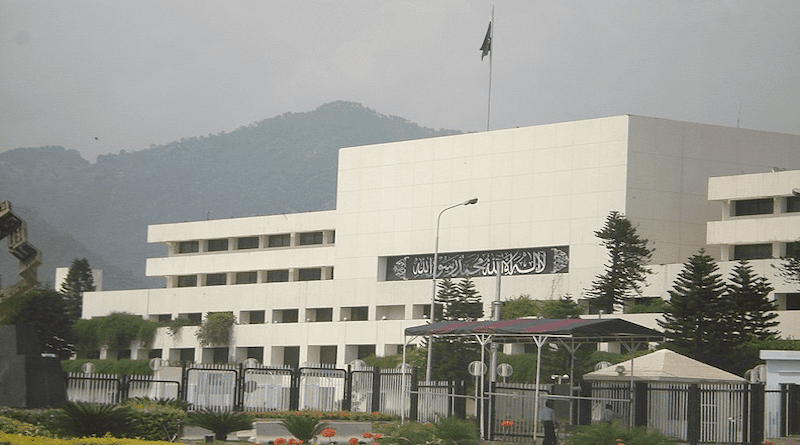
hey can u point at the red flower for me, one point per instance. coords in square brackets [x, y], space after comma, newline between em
[367, 435]
[280, 441]
[292, 441]
[353, 441]
[507, 423]
[377, 436]
[328, 432]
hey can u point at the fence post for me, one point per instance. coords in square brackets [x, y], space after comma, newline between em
[460, 406]
[184, 383]
[492, 410]
[693, 414]
[122, 389]
[585, 405]
[347, 400]
[640, 404]
[376, 390]
[756, 413]
[294, 391]
[238, 388]
[793, 409]
[413, 411]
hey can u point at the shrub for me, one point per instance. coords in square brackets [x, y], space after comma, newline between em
[409, 433]
[216, 329]
[156, 419]
[221, 423]
[304, 426]
[611, 434]
[456, 431]
[79, 419]
[121, 366]
[13, 426]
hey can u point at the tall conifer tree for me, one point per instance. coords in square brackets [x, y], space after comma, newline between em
[694, 324]
[79, 280]
[627, 268]
[751, 313]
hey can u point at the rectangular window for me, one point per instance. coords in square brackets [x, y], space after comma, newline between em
[278, 276]
[793, 250]
[745, 207]
[310, 238]
[365, 351]
[216, 279]
[187, 281]
[246, 277]
[218, 245]
[186, 354]
[256, 317]
[319, 314]
[164, 318]
[752, 251]
[282, 240]
[793, 204]
[188, 246]
[249, 242]
[285, 316]
[793, 302]
[312, 274]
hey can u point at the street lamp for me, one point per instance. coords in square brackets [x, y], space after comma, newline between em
[435, 274]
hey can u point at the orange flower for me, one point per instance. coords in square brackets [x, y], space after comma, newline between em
[507, 423]
[328, 432]
[367, 435]
[353, 441]
[377, 436]
[280, 441]
[292, 441]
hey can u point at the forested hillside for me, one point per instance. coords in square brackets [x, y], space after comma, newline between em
[101, 210]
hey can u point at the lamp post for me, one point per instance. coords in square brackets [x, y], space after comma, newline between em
[435, 274]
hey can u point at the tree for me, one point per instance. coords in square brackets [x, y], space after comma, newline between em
[518, 307]
[45, 310]
[627, 268]
[789, 268]
[79, 280]
[751, 313]
[717, 322]
[564, 307]
[459, 302]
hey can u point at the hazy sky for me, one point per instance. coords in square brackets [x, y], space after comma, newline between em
[105, 76]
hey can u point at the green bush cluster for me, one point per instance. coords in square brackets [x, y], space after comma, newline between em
[156, 419]
[449, 431]
[612, 434]
[13, 426]
[221, 423]
[118, 367]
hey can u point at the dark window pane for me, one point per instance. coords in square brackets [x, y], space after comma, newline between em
[250, 242]
[793, 204]
[310, 238]
[309, 274]
[188, 246]
[187, 281]
[256, 317]
[752, 251]
[359, 313]
[278, 276]
[282, 240]
[246, 277]
[793, 250]
[753, 207]
[792, 302]
[216, 279]
[217, 245]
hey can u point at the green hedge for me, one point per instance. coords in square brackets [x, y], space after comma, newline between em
[123, 366]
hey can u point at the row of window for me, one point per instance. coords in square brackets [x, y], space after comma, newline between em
[763, 251]
[256, 242]
[764, 206]
[311, 315]
[255, 276]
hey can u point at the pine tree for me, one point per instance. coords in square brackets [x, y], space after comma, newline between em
[627, 268]
[694, 323]
[45, 310]
[446, 294]
[459, 301]
[789, 268]
[751, 313]
[79, 280]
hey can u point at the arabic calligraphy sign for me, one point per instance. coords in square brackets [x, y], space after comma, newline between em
[529, 261]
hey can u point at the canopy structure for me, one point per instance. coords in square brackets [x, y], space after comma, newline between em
[570, 332]
[525, 329]
[665, 365]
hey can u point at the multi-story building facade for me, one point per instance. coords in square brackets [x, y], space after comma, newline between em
[332, 286]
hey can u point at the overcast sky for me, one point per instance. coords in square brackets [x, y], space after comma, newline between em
[105, 76]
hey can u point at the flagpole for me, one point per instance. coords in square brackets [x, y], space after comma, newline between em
[491, 54]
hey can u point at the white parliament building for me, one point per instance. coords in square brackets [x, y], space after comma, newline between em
[331, 286]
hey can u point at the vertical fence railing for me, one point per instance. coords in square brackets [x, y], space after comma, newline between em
[102, 389]
[321, 389]
[513, 403]
[266, 389]
[211, 387]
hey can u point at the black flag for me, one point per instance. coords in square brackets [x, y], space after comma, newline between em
[487, 42]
